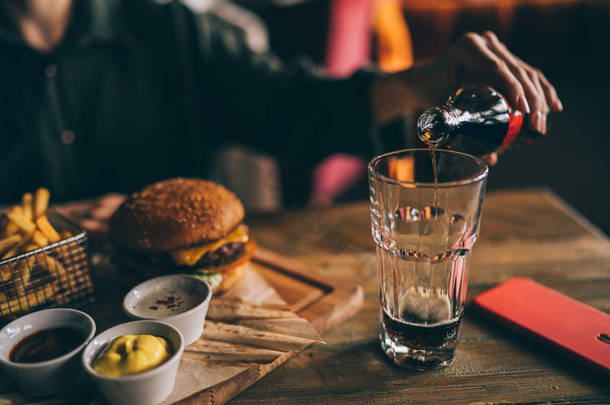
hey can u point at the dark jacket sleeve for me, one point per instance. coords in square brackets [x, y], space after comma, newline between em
[291, 111]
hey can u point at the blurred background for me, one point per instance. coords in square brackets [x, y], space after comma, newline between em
[566, 39]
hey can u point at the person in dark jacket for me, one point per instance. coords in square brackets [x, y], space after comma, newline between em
[101, 95]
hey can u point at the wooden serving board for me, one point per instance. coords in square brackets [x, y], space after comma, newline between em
[249, 343]
[321, 299]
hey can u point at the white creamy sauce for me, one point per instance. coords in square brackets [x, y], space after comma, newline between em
[166, 302]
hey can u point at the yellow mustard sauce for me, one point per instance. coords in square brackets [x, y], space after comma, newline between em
[132, 354]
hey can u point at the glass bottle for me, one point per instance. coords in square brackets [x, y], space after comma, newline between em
[477, 121]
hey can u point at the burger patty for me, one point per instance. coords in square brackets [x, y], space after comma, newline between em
[222, 255]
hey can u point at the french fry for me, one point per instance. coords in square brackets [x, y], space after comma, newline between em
[26, 203]
[58, 271]
[47, 229]
[38, 279]
[10, 228]
[25, 302]
[15, 280]
[41, 202]
[39, 239]
[16, 216]
[8, 242]
[30, 246]
[21, 282]
[18, 248]
[5, 274]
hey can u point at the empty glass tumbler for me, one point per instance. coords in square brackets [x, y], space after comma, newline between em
[425, 211]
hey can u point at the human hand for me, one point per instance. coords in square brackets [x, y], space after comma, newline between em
[475, 60]
[483, 60]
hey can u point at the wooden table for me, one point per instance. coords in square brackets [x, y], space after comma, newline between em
[528, 233]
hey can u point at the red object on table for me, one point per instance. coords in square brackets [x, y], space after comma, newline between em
[570, 325]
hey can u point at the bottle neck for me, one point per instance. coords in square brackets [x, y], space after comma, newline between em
[437, 125]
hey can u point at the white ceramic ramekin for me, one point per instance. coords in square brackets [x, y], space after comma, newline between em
[51, 376]
[190, 322]
[146, 388]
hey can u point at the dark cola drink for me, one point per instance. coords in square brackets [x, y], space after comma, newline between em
[476, 121]
[420, 328]
[410, 331]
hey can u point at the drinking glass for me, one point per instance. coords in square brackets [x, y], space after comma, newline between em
[425, 211]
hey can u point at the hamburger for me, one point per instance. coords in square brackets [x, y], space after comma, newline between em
[184, 225]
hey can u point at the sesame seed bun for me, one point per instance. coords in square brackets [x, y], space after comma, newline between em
[175, 213]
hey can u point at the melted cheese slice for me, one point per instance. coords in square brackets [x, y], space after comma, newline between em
[190, 256]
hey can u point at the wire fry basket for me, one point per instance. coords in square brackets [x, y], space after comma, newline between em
[54, 275]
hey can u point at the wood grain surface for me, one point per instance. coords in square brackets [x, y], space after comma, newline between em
[524, 233]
